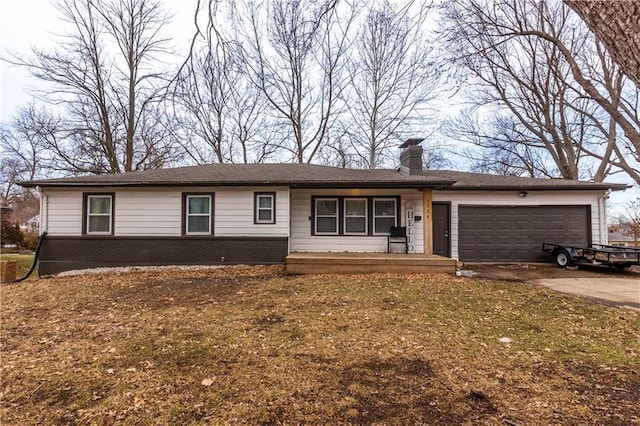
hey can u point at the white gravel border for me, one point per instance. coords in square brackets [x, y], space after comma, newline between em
[129, 269]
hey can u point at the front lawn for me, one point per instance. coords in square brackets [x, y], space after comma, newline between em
[253, 346]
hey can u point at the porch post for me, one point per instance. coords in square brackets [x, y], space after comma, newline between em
[427, 220]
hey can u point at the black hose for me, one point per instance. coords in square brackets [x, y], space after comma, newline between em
[33, 265]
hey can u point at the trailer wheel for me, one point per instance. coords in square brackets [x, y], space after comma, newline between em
[562, 258]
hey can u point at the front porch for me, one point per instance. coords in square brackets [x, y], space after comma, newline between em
[361, 263]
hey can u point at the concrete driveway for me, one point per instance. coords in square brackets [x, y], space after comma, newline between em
[620, 292]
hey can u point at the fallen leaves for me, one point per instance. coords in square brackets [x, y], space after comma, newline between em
[207, 382]
[252, 346]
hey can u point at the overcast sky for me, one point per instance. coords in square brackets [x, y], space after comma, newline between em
[25, 23]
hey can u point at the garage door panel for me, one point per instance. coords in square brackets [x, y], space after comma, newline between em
[516, 233]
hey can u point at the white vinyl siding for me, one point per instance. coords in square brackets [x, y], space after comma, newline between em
[149, 213]
[235, 213]
[533, 198]
[158, 211]
[302, 221]
[64, 213]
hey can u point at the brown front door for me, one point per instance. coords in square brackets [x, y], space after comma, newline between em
[441, 229]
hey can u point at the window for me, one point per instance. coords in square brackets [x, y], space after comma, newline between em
[343, 215]
[326, 216]
[355, 216]
[265, 207]
[384, 215]
[98, 217]
[198, 214]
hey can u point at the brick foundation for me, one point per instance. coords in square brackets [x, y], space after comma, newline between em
[60, 254]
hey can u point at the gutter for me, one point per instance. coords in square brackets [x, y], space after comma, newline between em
[602, 211]
[586, 187]
[320, 184]
[448, 185]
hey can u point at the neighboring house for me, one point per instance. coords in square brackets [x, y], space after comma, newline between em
[260, 213]
[617, 238]
[31, 225]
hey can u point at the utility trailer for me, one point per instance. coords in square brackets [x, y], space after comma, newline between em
[595, 254]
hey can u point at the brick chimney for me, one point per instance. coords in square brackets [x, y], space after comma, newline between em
[411, 157]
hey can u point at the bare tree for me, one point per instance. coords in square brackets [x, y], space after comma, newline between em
[502, 150]
[295, 55]
[21, 160]
[12, 171]
[628, 222]
[535, 61]
[107, 82]
[392, 79]
[23, 143]
[220, 109]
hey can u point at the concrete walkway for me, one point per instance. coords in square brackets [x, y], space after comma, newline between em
[620, 292]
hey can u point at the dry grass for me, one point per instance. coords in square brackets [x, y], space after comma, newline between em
[252, 346]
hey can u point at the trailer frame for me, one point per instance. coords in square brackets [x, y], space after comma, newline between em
[620, 257]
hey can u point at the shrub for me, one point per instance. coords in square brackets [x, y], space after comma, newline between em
[11, 233]
[29, 240]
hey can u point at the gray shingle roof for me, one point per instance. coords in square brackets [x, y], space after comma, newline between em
[466, 180]
[312, 176]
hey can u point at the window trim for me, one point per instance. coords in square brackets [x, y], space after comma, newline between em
[374, 217]
[185, 206]
[85, 212]
[366, 215]
[341, 216]
[257, 209]
[315, 216]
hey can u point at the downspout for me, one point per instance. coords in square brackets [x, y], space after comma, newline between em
[602, 214]
[33, 264]
[44, 210]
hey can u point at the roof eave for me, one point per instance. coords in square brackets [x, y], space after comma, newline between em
[443, 184]
[140, 184]
[335, 184]
[587, 187]
[373, 185]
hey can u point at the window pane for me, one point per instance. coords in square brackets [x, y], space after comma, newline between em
[355, 225]
[198, 205]
[264, 202]
[264, 215]
[327, 225]
[99, 223]
[100, 205]
[198, 224]
[385, 207]
[383, 224]
[355, 207]
[326, 207]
